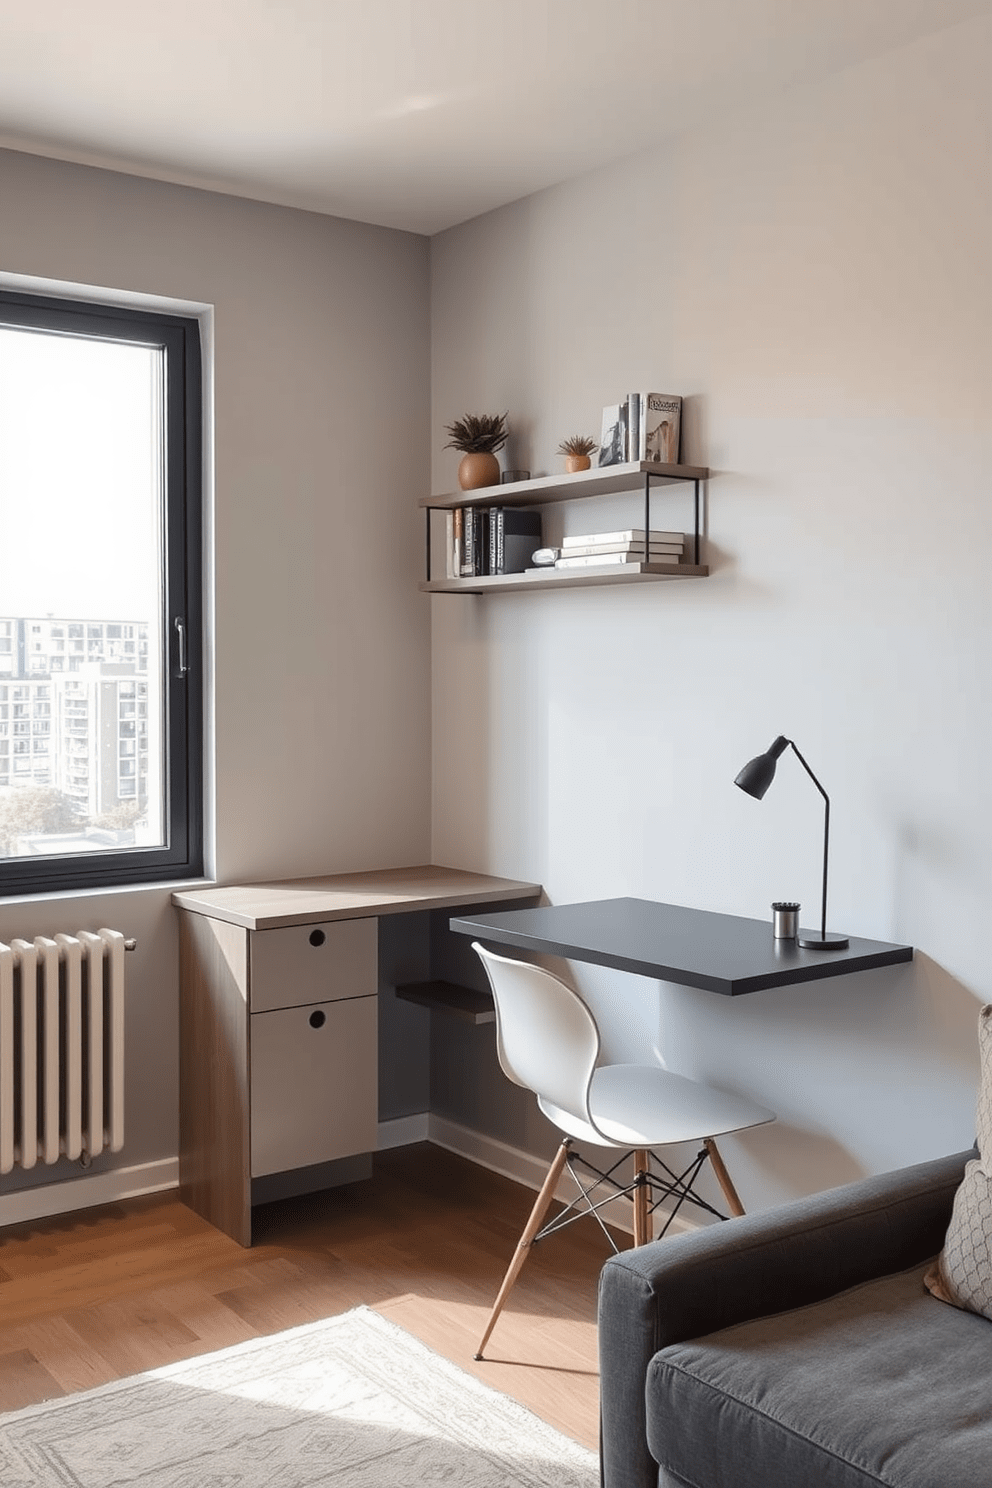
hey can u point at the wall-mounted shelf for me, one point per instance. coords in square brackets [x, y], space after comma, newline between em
[545, 489]
[556, 578]
[584, 485]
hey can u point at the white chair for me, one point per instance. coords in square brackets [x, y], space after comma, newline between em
[547, 1040]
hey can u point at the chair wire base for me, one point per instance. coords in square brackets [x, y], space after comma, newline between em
[662, 1185]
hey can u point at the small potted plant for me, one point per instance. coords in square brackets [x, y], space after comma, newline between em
[577, 449]
[478, 436]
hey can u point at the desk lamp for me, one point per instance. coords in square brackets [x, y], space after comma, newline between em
[755, 778]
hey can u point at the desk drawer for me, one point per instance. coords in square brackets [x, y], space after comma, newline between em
[314, 1093]
[300, 964]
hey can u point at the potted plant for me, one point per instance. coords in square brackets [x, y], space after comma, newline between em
[577, 449]
[478, 436]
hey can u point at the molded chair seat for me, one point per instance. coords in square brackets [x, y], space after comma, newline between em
[642, 1105]
[547, 1040]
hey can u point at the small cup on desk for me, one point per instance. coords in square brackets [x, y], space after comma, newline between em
[785, 919]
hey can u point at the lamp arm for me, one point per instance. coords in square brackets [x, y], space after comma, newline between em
[826, 836]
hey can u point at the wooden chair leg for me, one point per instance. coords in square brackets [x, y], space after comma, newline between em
[642, 1197]
[526, 1240]
[723, 1177]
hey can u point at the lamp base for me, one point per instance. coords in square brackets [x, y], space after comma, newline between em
[810, 940]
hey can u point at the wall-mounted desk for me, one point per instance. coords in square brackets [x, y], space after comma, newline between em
[694, 947]
[279, 1028]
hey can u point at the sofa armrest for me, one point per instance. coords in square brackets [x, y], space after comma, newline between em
[689, 1285]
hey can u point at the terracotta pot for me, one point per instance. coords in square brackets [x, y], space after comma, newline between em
[475, 471]
[575, 463]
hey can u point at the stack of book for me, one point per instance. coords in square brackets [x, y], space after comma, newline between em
[604, 549]
[491, 540]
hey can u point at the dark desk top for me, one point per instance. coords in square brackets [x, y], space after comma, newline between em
[722, 953]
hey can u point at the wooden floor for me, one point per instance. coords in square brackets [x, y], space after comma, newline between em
[104, 1293]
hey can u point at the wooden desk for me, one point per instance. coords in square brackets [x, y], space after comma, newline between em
[279, 1032]
[722, 953]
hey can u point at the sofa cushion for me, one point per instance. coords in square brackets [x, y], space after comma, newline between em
[881, 1384]
[962, 1274]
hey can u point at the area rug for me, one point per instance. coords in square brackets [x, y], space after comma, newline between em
[353, 1402]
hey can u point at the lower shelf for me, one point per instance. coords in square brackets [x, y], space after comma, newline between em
[552, 578]
[449, 997]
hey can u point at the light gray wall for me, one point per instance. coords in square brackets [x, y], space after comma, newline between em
[320, 642]
[813, 276]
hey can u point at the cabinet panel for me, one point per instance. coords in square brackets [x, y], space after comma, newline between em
[314, 1090]
[300, 964]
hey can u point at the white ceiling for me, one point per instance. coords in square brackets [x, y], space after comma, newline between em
[410, 113]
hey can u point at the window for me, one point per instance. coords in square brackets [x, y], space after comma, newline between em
[100, 449]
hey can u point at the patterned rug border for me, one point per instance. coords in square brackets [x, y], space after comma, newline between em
[511, 1416]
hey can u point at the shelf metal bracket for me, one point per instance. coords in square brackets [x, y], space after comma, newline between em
[650, 475]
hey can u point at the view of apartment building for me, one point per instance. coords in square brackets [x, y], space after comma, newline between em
[74, 709]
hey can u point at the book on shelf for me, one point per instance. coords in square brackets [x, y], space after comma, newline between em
[633, 426]
[589, 550]
[660, 428]
[514, 534]
[627, 535]
[613, 443]
[453, 527]
[609, 560]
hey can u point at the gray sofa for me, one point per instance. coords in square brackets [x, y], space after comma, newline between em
[798, 1348]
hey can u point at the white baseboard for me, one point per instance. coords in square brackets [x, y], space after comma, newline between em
[156, 1177]
[86, 1193]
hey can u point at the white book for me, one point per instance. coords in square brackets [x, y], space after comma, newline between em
[452, 546]
[636, 550]
[633, 426]
[629, 535]
[661, 417]
[607, 560]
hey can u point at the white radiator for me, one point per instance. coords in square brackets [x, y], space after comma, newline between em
[61, 1047]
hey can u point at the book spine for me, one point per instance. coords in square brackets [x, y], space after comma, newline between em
[611, 560]
[633, 426]
[457, 530]
[468, 551]
[495, 539]
[629, 535]
[482, 541]
[635, 550]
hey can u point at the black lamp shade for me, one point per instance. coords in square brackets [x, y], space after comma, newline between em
[758, 774]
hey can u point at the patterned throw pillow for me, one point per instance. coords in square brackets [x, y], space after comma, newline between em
[962, 1273]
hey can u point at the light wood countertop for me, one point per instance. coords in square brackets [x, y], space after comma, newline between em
[346, 896]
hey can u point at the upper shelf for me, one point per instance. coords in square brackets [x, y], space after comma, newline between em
[548, 488]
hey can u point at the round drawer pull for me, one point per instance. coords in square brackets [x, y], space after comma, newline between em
[317, 937]
[317, 1019]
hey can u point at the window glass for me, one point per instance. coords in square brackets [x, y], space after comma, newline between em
[99, 581]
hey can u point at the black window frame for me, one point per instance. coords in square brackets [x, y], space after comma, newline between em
[182, 619]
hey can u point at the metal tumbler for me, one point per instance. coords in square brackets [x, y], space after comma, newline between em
[786, 921]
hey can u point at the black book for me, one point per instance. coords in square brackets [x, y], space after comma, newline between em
[482, 565]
